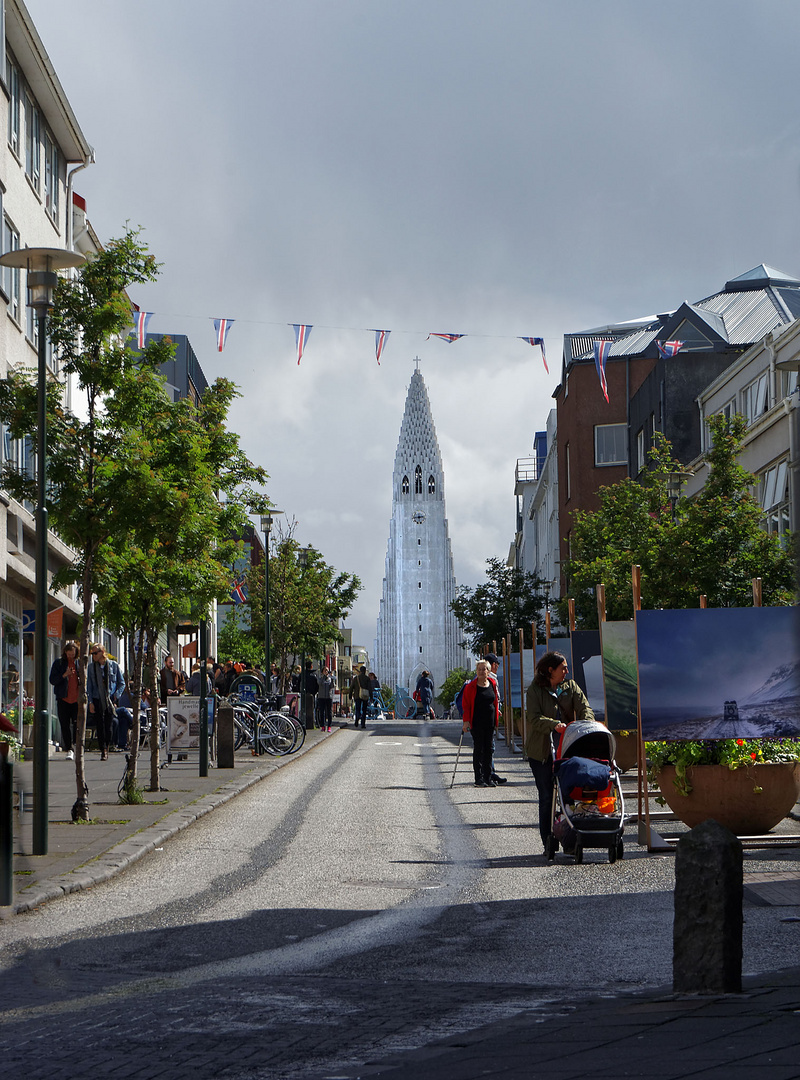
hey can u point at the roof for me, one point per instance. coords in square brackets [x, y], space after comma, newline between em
[749, 307]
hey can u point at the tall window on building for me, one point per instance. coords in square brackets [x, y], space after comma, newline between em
[640, 450]
[418, 480]
[568, 484]
[773, 494]
[51, 174]
[404, 487]
[431, 486]
[14, 105]
[755, 398]
[611, 444]
[11, 286]
[33, 144]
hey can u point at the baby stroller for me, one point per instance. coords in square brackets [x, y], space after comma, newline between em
[588, 809]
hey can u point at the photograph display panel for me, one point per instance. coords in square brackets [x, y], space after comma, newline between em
[619, 674]
[587, 669]
[719, 673]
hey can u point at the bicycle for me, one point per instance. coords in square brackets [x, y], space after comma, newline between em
[274, 732]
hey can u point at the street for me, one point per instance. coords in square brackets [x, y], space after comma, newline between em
[347, 907]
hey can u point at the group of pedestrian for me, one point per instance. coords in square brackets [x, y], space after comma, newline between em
[552, 702]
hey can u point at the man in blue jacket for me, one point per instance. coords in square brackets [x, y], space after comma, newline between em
[104, 685]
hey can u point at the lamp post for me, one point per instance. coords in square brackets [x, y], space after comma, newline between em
[675, 482]
[793, 364]
[266, 528]
[302, 562]
[41, 265]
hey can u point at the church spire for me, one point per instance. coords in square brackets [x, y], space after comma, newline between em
[418, 472]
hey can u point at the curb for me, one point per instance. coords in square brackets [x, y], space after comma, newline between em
[129, 851]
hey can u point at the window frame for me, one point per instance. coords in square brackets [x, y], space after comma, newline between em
[620, 429]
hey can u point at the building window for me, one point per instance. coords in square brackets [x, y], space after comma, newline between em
[404, 487]
[12, 80]
[418, 480]
[431, 485]
[773, 495]
[787, 383]
[610, 444]
[755, 398]
[51, 175]
[33, 147]
[11, 285]
[640, 450]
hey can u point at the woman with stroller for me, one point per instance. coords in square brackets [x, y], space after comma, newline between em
[424, 695]
[481, 704]
[552, 702]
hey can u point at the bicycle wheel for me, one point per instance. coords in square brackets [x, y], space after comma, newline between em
[242, 728]
[276, 734]
[300, 731]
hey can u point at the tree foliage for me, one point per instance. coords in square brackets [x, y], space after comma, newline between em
[711, 544]
[452, 684]
[508, 601]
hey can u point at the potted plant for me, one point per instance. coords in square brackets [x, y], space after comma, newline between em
[9, 743]
[747, 785]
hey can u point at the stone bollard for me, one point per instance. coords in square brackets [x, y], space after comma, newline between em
[224, 724]
[707, 932]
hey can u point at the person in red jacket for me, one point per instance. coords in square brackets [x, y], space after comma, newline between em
[481, 705]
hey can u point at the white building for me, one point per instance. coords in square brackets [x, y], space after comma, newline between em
[767, 396]
[536, 544]
[44, 147]
[416, 628]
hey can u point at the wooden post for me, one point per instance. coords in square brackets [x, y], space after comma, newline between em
[505, 687]
[547, 629]
[600, 594]
[703, 600]
[756, 592]
[571, 610]
[533, 639]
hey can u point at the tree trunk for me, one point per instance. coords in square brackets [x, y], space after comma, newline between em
[135, 695]
[155, 715]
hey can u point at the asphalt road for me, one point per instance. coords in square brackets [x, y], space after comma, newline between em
[349, 906]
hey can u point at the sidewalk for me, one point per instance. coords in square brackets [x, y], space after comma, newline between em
[118, 835]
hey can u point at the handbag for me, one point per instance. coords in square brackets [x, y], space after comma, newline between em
[417, 696]
[363, 693]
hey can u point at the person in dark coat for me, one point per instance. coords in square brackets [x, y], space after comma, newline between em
[425, 691]
[64, 678]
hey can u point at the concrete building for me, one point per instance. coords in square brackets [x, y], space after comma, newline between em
[767, 397]
[536, 548]
[44, 149]
[416, 628]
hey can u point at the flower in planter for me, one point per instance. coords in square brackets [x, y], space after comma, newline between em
[735, 753]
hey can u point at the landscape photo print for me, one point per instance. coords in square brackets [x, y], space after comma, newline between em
[719, 673]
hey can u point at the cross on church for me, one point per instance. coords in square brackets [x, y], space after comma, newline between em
[417, 361]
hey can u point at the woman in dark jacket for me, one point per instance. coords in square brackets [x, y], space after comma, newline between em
[481, 705]
[64, 677]
[425, 691]
[552, 702]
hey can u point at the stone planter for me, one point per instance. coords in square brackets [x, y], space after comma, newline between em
[625, 756]
[728, 795]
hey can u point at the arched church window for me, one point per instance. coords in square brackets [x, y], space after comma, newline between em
[405, 486]
[418, 480]
[431, 485]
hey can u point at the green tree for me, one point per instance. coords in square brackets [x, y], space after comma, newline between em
[711, 544]
[508, 601]
[452, 684]
[86, 497]
[195, 489]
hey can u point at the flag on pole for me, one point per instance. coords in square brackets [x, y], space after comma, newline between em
[666, 349]
[140, 321]
[601, 351]
[538, 341]
[301, 333]
[380, 342]
[446, 337]
[222, 327]
[238, 591]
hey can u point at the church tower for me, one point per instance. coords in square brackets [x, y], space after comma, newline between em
[416, 628]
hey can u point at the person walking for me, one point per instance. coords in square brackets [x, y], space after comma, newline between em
[552, 702]
[169, 680]
[494, 665]
[104, 686]
[425, 692]
[361, 688]
[481, 704]
[311, 686]
[327, 684]
[64, 679]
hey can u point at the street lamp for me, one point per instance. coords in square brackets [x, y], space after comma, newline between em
[675, 481]
[794, 455]
[41, 265]
[266, 528]
[302, 562]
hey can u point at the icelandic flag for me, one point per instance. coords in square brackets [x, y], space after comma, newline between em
[222, 327]
[601, 351]
[238, 591]
[380, 342]
[447, 337]
[666, 349]
[301, 333]
[538, 341]
[140, 321]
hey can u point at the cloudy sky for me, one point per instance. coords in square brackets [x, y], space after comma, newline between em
[519, 167]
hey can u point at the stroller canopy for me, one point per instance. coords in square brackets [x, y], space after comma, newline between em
[589, 739]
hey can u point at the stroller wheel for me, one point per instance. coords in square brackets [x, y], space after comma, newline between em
[612, 853]
[620, 849]
[578, 851]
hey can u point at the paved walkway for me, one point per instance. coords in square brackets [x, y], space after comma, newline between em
[655, 1033]
[82, 855]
